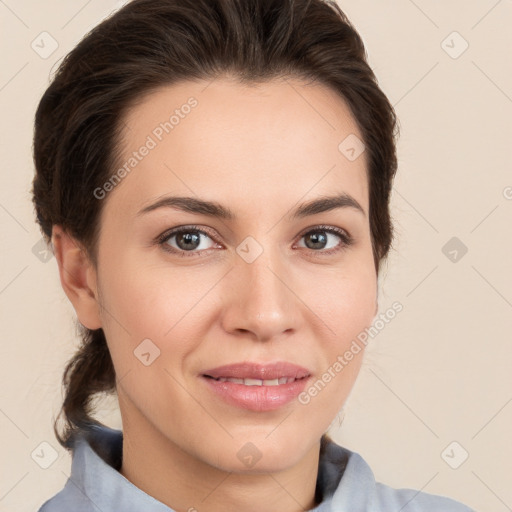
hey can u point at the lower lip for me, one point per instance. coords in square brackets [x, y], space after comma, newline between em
[257, 398]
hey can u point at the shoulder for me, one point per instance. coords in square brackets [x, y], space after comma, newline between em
[409, 500]
[69, 498]
[95, 483]
[79, 493]
[357, 489]
[382, 497]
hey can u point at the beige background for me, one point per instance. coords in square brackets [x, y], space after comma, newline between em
[439, 372]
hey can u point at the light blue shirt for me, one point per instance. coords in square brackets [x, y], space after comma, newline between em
[345, 483]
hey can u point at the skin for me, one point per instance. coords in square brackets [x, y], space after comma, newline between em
[260, 151]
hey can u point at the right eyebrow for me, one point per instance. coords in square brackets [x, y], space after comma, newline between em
[192, 205]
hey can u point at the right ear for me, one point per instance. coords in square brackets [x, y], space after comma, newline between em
[77, 277]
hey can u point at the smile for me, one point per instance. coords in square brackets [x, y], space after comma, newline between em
[258, 387]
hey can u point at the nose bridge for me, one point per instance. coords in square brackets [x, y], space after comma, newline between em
[263, 279]
[261, 301]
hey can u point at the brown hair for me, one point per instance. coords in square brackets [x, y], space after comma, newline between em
[152, 43]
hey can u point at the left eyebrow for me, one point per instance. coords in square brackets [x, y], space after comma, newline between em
[214, 209]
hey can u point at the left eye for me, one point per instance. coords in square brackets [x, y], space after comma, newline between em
[319, 239]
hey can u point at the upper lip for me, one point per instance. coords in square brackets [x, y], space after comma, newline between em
[262, 371]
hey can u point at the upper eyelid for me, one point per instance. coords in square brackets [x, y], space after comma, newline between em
[326, 227]
[175, 231]
[169, 233]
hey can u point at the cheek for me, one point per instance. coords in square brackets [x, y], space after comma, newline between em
[346, 304]
[155, 303]
[344, 300]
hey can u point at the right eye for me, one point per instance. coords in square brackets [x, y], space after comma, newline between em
[187, 239]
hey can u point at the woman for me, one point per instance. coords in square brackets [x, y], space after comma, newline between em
[214, 176]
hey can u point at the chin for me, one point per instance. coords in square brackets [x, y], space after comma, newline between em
[253, 453]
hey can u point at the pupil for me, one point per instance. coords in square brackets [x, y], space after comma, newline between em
[188, 238]
[315, 237]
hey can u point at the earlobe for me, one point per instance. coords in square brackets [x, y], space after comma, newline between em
[77, 277]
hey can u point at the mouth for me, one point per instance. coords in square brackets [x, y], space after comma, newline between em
[257, 387]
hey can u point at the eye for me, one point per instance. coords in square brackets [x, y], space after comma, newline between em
[192, 241]
[186, 239]
[317, 239]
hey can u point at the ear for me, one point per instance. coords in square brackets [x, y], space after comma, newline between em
[77, 277]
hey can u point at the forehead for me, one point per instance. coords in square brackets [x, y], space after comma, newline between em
[277, 141]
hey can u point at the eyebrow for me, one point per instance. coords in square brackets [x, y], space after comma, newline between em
[214, 209]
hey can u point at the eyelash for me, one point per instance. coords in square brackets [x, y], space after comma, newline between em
[346, 239]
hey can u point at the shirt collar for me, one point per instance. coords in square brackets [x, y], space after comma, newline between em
[97, 459]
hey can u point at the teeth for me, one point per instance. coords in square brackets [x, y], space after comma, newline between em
[257, 382]
[237, 381]
[253, 382]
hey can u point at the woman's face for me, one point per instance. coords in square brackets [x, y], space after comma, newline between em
[265, 285]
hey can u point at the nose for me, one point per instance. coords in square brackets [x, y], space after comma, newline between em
[258, 298]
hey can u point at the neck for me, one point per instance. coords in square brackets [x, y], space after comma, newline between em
[184, 483]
